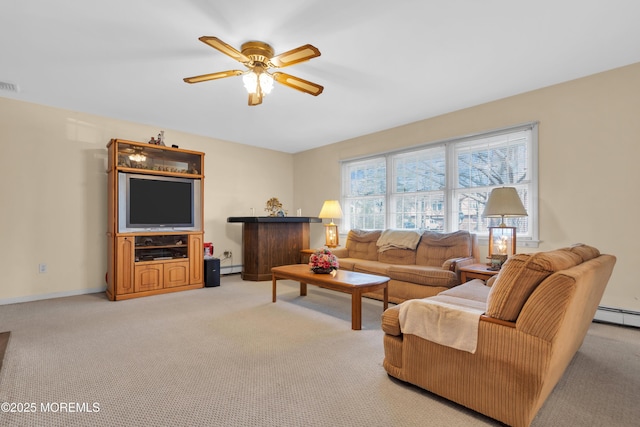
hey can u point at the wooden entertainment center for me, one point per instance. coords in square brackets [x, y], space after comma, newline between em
[146, 255]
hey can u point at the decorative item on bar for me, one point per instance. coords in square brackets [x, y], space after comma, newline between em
[274, 208]
[331, 209]
[503, 202]
[323, 261]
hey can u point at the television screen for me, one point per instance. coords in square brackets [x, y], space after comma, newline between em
[160, 203]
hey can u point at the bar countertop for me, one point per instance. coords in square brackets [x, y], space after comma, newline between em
[273, 219]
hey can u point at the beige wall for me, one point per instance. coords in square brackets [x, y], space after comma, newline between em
[53, 186]
[589, 151]
[53, 195]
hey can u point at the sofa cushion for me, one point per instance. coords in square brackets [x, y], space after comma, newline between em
[348, 263]
[398, 256]
[362, 244]
[436, 248]
[586, 252]
[372, 267]
[399, 239]
[423, 275]
[475, 290]
[519, 277]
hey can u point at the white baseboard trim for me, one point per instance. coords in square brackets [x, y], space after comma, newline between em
[30, 298]
[223, 270]
[618, 316]
[231, 269]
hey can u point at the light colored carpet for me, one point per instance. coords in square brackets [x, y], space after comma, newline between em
[227, 356]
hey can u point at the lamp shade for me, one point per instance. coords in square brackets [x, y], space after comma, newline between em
[331, 209]
[504, 202]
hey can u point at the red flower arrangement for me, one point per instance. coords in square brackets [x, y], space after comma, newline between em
[323, 261]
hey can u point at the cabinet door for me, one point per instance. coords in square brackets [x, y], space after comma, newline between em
[196, 264]
[148, 277]
[176, 274]
[125, 252]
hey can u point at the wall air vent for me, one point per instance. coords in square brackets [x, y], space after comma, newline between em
[9, 87]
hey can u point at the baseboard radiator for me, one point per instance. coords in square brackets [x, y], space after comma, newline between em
[618, 316]
[231, 269]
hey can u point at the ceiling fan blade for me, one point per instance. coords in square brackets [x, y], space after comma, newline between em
[212, 76]
[294, 56]
[218, 44]
[298, 83]
[255, 98]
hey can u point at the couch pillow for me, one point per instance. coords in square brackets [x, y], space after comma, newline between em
[519, 277]
[435, 248]
[362, 244]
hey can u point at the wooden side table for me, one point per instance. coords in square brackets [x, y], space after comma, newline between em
[476, 271]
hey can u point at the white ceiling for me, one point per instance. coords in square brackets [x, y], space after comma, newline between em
[383, 63]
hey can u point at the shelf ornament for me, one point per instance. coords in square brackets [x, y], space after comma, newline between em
[274, 208]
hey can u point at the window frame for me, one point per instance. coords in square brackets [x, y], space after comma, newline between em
[450, 188]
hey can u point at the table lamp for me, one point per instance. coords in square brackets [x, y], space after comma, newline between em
[503, 202]
[331, 209]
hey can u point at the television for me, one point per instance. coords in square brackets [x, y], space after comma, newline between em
[158, 203]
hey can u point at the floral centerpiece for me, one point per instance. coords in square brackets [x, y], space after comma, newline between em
[323, 261]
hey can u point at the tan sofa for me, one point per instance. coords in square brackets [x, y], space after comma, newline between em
[538, 310]
[432, 267]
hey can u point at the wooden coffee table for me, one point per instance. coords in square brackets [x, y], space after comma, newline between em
[349, 282]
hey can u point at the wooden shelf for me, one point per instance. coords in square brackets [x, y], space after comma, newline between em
[152, 262]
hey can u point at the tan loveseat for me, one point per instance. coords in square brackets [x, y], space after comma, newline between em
[537, 313]
[432, 267]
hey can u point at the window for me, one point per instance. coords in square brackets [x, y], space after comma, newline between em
[367, 188]
[417, 196]
[443, 186]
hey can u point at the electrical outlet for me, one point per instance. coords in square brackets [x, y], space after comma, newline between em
[227, 254]
[42, 268]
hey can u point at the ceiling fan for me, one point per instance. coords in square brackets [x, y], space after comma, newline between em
[259, 57]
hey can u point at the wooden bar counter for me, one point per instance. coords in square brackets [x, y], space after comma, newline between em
[271, 241]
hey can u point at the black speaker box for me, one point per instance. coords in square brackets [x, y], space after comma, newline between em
[211, 272]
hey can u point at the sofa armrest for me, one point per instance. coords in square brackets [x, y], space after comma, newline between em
[490, 280]
[454, 264]
[340, 252]
[391, 321]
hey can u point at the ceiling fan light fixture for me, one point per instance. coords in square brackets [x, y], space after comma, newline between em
[253, 82]
[258, 58]
[266, 83]
[250, 80]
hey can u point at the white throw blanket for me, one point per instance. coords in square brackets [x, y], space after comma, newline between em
[444, 320]
[398, 239]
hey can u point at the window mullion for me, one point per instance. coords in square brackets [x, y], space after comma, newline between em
[451, 173]
[390, 191]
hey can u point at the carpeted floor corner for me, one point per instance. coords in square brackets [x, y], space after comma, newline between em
[4, 341]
